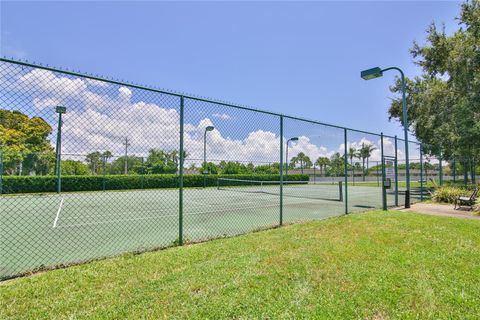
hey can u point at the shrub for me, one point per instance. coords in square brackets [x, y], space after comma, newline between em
[449, 193]
[41, 184]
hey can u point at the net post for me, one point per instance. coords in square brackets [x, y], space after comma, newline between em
[421, 172]
[180, 177]
[345, 170]
[396, 173]
[384, 191]
[281, 170]
[340, 190]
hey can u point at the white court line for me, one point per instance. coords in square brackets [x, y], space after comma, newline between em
[165, 216]
[58, 213]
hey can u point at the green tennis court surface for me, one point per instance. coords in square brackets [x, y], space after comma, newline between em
[47, 230]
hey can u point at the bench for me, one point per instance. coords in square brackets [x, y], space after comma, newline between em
[466, 201]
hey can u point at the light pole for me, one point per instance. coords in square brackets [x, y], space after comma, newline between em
[205, 170]
[60, 110]
[286, 157]
[378, 72]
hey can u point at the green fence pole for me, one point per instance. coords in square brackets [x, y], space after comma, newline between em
[396, 173]
[474, 171]
[143, 175]
[314, 182]
[454, 169]
[378, 176]
[180, 177]
[103, 171]
[345, 163]
[1, 169]
[384, 191]
[441, 169]
[281, 170]
[421, 173]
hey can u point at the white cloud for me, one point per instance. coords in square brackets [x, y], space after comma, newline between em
[222, 116]
[41, 104]
[102, 122]
[125, 93]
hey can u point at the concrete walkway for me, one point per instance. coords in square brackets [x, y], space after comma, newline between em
[445, 210]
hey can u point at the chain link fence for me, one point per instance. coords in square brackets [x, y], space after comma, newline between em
[92, 168]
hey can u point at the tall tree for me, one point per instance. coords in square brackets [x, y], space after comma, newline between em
[352, 153]
[94, 159]
[24, 143]
[365, 153]
[444, 102]
[303, 159]
[322, 163]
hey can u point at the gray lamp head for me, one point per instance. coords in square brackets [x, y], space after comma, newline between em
[371, 73]
[60, 109]
[209, 128]
[294, 139]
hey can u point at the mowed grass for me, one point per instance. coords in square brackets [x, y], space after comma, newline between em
[375, 265]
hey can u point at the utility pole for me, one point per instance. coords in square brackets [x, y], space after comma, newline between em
[126, 154]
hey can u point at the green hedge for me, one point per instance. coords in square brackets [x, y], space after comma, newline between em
[41, 184]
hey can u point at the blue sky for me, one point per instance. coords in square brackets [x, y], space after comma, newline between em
[301, 59]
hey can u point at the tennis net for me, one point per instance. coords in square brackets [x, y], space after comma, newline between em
[297, 189]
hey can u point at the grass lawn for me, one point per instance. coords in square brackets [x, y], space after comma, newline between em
[374, 265]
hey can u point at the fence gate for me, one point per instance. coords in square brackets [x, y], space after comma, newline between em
[390, 182]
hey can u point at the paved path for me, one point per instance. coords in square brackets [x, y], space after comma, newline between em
[445, 210]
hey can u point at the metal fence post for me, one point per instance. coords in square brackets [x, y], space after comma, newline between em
[384, 191]
[1, 169]
[345, 162]
[421, 173]
[103, 171]
[143, 175]
[396, 173]
[314, 171]
[281, 170]
[474, 171]
[441, 169]
[180, 176]
[454, 169]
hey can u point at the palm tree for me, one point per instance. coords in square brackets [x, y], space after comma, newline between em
[322, 163]
[352, 153]
[93, 159]
[365, 153]
[107, 155]
[304, 160]
[368, 152]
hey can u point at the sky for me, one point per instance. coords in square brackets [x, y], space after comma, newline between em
[296, 58]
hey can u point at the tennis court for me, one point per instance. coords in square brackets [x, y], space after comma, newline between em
[53, 229]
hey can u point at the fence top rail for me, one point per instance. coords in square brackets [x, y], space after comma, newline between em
[175, 94]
